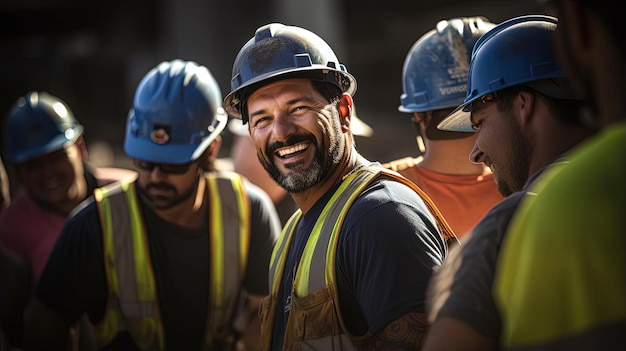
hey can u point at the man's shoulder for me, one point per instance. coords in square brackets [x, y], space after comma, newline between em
[387, 196]
[107, 175]
[256, 195]
[85, 208]
[403, 164]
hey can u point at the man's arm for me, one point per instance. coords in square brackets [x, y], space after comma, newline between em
[405, 333]
[449, 333]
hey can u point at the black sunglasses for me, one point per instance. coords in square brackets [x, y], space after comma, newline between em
[168, 168]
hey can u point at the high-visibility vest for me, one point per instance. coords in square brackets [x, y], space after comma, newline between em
[316, 269]
[132, 297]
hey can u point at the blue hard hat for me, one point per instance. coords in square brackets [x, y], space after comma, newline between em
[434, 75]
[37, 124]
[177, 112]
[278, 51]
[515, 52]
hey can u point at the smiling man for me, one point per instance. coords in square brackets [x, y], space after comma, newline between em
[45, 148]
[526, 119]
[384, 239]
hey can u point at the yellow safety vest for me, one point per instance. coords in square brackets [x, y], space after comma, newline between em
[315, 321]
[132, 297]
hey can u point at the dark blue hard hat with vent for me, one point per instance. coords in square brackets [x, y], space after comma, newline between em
[37, 124]
[277, 52]
[434, 74]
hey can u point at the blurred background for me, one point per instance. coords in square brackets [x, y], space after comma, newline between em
[92, 54]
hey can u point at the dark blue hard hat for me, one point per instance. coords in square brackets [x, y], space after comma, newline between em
[37, 124]
[278, 51]
[434, 75]
[516, 52]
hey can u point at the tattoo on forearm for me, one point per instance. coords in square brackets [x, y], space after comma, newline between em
[405, 333]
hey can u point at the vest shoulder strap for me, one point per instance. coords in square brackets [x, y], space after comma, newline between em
[318, 260]
[230, 230]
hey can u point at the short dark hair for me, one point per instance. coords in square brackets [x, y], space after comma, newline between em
[565, 110]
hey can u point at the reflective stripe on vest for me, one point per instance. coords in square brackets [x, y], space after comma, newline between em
[130, 276]
[316, 268]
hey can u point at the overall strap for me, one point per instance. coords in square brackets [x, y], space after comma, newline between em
[318, 260]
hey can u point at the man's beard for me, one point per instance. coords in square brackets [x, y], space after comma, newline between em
[518, 166]
[166, 202]
[301, 179]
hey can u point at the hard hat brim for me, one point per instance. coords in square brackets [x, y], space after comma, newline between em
[233, 98]
[55, 144]
[147, 150]
[458, 120]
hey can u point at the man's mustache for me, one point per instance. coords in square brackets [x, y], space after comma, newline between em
[160, 186]
[292, 140]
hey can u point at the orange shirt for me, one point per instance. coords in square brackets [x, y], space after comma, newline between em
[462, 199]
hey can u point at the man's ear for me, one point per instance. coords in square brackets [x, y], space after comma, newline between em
[421, 117]
[525, 104]
[345, 111]
[214, 148]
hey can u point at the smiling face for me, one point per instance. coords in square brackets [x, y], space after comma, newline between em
[501, 145]
[55, 180]
[298, 134]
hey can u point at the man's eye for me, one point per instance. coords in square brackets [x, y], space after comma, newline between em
[258, 120]
[475, 125]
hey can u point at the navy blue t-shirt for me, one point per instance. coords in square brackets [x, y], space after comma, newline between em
[74, 281]
[388, 248]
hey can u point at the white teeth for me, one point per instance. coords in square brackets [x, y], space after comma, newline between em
[291, 150]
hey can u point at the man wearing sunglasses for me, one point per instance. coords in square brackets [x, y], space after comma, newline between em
[176, 259]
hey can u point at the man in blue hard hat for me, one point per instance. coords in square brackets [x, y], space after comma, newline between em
[351, 268]
[525, 117]
[434, 79]
[174, 260]
[561, 281]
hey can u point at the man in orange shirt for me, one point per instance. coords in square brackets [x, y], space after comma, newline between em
[434, 80]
